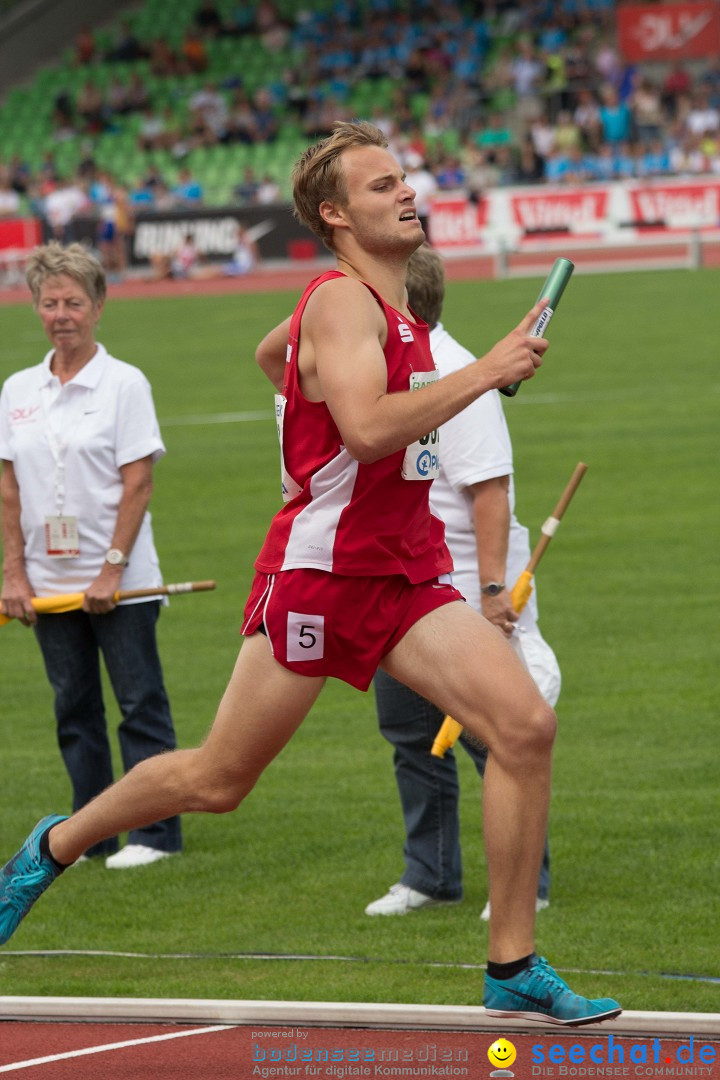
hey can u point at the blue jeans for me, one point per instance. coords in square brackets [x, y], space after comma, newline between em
[71, 644]
[429, 791]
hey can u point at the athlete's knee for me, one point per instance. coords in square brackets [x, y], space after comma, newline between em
[219, 789]
[224, 798]
[224, 792]
[529, 738]
[543, 724]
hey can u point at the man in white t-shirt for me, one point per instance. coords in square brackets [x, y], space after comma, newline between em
[474, 496]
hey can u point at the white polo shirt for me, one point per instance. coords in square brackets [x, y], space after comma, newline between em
[100, 420]
[474, 446]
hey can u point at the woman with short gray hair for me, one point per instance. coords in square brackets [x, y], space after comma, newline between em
[78, 440]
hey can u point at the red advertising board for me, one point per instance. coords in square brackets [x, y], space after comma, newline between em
[669, 31]
[19, 234]
[693, 205]
[458, 222]
[544, 210]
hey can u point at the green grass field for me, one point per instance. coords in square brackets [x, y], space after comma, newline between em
[629, 600]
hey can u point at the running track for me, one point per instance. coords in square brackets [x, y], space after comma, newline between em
[145, 1051]
[142, 1039]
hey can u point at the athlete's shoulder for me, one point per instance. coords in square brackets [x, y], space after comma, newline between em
[342, 298]
[335, 282]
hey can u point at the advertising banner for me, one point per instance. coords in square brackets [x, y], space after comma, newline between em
[669, 31]
[581, 211]
[214, 230]
[693, 205]
[19, 234]
[458, 222]
[520, 217]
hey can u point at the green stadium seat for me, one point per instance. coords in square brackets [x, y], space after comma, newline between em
[419, 106]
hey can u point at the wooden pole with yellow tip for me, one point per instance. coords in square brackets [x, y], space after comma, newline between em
[55, 605]
[450, 731]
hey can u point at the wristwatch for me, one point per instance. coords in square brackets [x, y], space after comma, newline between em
[493, 588]
[116, 557]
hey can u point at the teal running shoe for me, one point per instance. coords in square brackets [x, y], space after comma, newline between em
[25, 878]
[538, 993]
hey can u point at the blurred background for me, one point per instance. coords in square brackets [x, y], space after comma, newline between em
[122, 112]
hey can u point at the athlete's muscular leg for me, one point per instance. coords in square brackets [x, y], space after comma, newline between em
[463, 665]
[262, 707]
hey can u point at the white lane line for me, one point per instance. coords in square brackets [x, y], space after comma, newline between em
[332, 957]
[69, 1054]
[216, 418]
[618, 394]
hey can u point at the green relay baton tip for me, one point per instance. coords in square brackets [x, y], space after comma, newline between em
[553, 288]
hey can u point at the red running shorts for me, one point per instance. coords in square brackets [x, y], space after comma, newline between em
[319, 623]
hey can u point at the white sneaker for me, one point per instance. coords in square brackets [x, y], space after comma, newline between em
[540, 905]
[135, 855]
[399, 899]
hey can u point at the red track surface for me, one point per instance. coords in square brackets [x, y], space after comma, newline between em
[203, 1052]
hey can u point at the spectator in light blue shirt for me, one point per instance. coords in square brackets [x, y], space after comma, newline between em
[655, 160]
[556, 167]
[615, 117]
[188, 190]
[603, 163]
[578, 166]
[624, 162]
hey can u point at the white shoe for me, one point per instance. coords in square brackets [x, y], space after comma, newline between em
[399, 899]
[540, 905]
[135, 855]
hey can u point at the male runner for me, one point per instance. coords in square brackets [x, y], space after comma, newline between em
[349, 576]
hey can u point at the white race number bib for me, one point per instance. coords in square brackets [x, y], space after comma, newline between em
[422, 458]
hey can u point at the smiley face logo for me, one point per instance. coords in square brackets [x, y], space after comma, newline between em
[502, 1054]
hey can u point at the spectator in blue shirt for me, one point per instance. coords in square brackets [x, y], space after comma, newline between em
[654, 160]
[615, 117]
[625, 162]
[188, 190]
[556, 167]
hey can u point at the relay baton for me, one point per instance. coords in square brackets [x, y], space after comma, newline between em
[55, 605]
[552, 289]
[450, 731]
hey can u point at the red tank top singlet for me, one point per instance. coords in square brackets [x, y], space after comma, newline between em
[341, 515]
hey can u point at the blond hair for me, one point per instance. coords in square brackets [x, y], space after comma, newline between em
[51, 260]
[318, 176]
[426, 284]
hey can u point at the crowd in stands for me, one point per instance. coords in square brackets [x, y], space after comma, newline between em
[470, 96]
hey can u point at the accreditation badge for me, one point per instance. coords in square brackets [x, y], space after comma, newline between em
[422, 458]
[62, 540]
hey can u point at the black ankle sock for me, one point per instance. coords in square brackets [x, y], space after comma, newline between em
[45, 850]
[508, 971]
